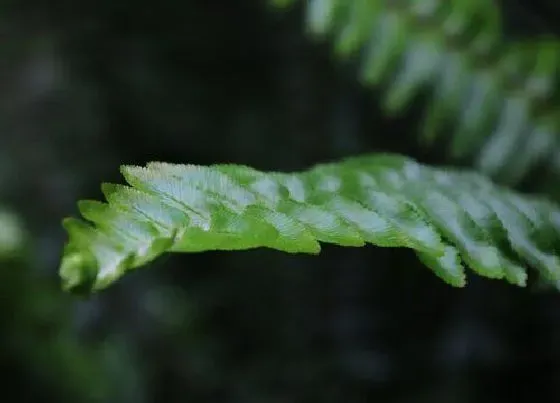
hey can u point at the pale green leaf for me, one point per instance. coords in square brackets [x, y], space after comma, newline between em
[449, 218]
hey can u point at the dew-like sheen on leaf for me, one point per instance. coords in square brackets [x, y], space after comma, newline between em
[450, 218]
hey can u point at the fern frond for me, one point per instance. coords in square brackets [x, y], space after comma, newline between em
[497, 95]
[447, 217]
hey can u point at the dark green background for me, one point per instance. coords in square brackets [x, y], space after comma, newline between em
[88, 85]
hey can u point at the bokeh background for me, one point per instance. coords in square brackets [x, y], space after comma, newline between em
[86, 86]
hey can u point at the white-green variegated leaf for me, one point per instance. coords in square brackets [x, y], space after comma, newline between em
[451, 219]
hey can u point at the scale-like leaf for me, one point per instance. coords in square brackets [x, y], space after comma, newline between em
[448, 217]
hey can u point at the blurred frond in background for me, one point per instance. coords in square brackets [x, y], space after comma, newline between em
[492, 99]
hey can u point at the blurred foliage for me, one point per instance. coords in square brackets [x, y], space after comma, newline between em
[494, 99]
[88, 86]
[37, 328]
[11, 234]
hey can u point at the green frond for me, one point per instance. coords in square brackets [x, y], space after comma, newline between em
[448, 217]
[495, 96]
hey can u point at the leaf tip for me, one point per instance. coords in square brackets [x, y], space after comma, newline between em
[78, 271]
